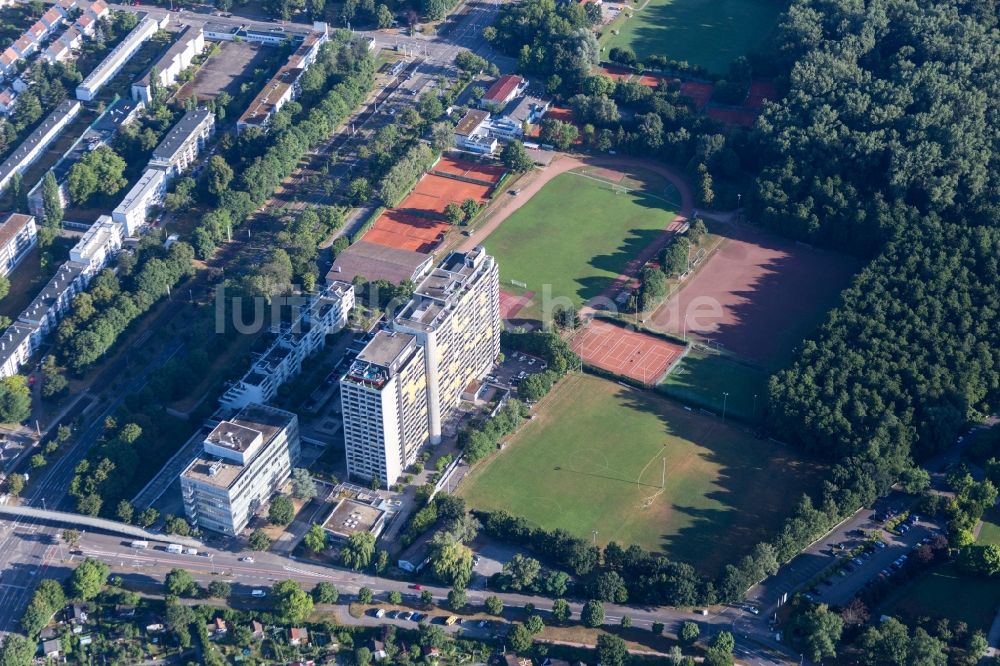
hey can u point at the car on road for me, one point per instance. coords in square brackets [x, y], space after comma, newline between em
[246, 558]
[417, 617]
[416, 586]
[880, 544]
[406, 615]
[257, 594]
[393, 614]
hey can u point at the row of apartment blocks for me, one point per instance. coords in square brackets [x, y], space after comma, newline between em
[121, 54]
[284, 85]
[103, 240]
[409, 379]
[189, 44]
[44, 41]
[247, 457]
[43, 314]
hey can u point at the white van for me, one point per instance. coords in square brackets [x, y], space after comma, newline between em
[190, 551]
[175, 548]
[139, 544]
[258, 594]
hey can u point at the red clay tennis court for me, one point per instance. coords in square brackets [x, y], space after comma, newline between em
[489, 173]
[700, 93]
[433, 193]
[617, 73]
[654, 80]
[739, 117]
[642, 357]
[401, 230]
[760, 90]
[511, 304]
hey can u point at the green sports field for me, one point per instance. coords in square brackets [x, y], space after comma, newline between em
[990, 532]
[576, 234]
[710, 33]
[592, 459]
[701, 379]
[946, 592]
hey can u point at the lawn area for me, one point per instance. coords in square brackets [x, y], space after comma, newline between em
[577, 234]
[947, 593]
[701, 378]
[710, 33]
[591, 460]
[990, 532]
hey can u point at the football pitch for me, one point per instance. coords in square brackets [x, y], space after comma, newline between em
[710, 33]
[578, 233]
[594, 460]
[716, 382]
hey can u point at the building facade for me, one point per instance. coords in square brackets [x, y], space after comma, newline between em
[244, 461]
[120, 55]
[384, 402]
[180, 148]
[323, 314]
[18, 234]
[177, 58]
[408, 382]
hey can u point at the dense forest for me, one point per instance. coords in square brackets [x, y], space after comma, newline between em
[885, 144]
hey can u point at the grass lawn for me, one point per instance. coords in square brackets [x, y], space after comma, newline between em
[701, 378]
[577, 234]
[591, 460]
[990, 532]
[710, 33]
[947, 593]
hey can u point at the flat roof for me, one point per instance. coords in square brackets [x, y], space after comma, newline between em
[385, 348]
[471, 121]
[12, 226]
[181, 132]
[376, 262]
[350, 516]
[68, 107]
[233, 436]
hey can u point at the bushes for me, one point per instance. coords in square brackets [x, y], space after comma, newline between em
[405, 172]
[479, 442]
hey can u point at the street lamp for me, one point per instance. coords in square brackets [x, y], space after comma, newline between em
[755, 405]
[725, 399]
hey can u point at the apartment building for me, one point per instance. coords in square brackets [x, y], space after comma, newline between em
[384, 402]
[36, 142]
[321, 315]
[244, 461]
[15, 348]
[96, 247]
[18, 234]
[455, 316]
[176, 59]
[407, 382]
[120, 55]
[45, 312]
[140, 200]
[180, 148]
[284, 85]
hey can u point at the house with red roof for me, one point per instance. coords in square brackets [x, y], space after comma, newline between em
[52, 18]
[38, 31]
[25, 45]
[505, 89]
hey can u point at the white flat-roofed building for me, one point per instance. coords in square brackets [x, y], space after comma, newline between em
[244, 461]
[455, 315]
[177, 58]
[471, 133]
[38, 141]
[134, 209]
[384, 405]
[183, 142]
[18, 234]
[321, 315]
[101, 242]
[15, 348]
[120, 55]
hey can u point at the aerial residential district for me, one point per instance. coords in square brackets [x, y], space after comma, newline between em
[515, 332]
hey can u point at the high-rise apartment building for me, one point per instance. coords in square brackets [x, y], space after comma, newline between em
[406, 383]
[384, 402]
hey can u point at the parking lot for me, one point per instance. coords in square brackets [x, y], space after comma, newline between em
[226, 71]
[515, 367]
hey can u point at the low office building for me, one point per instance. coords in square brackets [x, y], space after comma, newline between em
[180, 148]
[322, 315]
[350, 516]
[148, 193]
[18, 234]
[472, 133]
[244, 461]
[378, 262]
[98, 245]
[36, 142]
[524, 111]
[384, 401]
[177, 58]
[120, 55]
[284, 85]
[503, 91]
